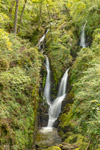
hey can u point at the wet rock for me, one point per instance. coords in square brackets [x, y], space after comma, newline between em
[46, 137]
[66, 146]
[43, 115]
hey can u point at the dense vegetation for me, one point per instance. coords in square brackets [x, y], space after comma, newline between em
[22, 23]
[19, 84]
[82, 121]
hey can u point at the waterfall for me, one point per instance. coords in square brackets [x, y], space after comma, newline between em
[55, 107]
[54, 110]
[41, 42]
[63, 84]
[43, 37]
[47, 85]
[82, 39]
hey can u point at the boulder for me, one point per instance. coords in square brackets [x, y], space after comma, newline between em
[47, 137]
[53, 148]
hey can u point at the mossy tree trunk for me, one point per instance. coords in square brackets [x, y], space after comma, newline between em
[20, 22]
[11, 8]
[16, 15]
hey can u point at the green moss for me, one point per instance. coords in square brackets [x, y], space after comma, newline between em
[78, 140]
[83, 116]
[81, 64]
[53, 148]
[44, 81]
[59, 52]
[66, 118]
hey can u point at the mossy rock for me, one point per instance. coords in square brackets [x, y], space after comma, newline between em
[78, 140]
[53, 148]
[67, 146]
[47, 139]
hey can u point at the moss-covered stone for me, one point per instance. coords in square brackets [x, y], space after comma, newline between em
[78, 140]
[45, 138]
[53, 148]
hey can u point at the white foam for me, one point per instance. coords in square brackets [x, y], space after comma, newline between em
[46, 129]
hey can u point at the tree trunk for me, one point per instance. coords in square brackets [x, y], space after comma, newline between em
[40, 12]
[22, 15]
[49, 19]
[16, 15]
[11, 9]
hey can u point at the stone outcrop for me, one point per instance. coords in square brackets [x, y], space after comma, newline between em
[46, 138]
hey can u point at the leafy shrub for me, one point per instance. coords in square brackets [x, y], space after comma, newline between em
[4, 20]
[4, 40]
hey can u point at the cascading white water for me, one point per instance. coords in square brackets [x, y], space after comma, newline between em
[82, 39]
[42, 40]
[47, 85]
[55, 107]
[63, 84]
[43, 37]
[54, 110]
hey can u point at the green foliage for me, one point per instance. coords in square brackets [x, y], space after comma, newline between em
[85, 10]
[82, 62]
[19, 85]
[4, 20]
[4, 40]
[59, 51]
[20, 65]
[84, 114]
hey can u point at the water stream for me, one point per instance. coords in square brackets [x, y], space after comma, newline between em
[47, 85]
[43, 37]
[82, 38]
[55, 105]
[41, 43]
